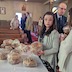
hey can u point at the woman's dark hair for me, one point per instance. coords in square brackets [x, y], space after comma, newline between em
[42, 33]
[70, 20]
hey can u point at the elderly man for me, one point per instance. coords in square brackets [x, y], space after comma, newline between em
[60, 18]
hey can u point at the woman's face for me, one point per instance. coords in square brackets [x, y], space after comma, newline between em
[48, 21]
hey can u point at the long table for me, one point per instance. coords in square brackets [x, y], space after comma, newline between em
[6, 67]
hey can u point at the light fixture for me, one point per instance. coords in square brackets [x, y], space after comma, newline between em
[26, 0]
[55, 0]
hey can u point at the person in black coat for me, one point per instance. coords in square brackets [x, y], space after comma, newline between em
[60, 18]
[23, 21]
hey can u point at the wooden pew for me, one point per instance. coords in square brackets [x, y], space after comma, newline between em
[1, 29]
[10, 35]
[9, 32]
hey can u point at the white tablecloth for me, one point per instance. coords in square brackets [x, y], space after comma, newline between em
[6, 67]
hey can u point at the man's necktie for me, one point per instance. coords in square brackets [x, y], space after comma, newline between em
[60, 25]
[59, 20]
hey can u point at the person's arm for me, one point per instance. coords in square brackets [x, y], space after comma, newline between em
[55, 46]
[11, 23]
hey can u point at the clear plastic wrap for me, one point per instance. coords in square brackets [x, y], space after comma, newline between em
[14, 57]
[8, 48]
[23, 48]
[35, 47]
[3, 54]
[2, 46]
[7, 42]
[15, 43]
[29, 62]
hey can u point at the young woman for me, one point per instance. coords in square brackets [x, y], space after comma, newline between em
[49, 37]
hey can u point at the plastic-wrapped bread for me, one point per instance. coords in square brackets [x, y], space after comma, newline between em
[3, 54]
[2, 46]
[14, 57]
[15, 43]
[8, 48]
[26, 48]
[29, 62]
[35, 47]
[23, 48]
[7, 42]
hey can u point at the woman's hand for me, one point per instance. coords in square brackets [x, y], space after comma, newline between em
[40, 53]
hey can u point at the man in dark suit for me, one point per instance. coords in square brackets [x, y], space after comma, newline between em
[60, 18]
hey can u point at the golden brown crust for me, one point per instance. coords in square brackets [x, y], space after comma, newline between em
[35, 47]
[36, 44]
